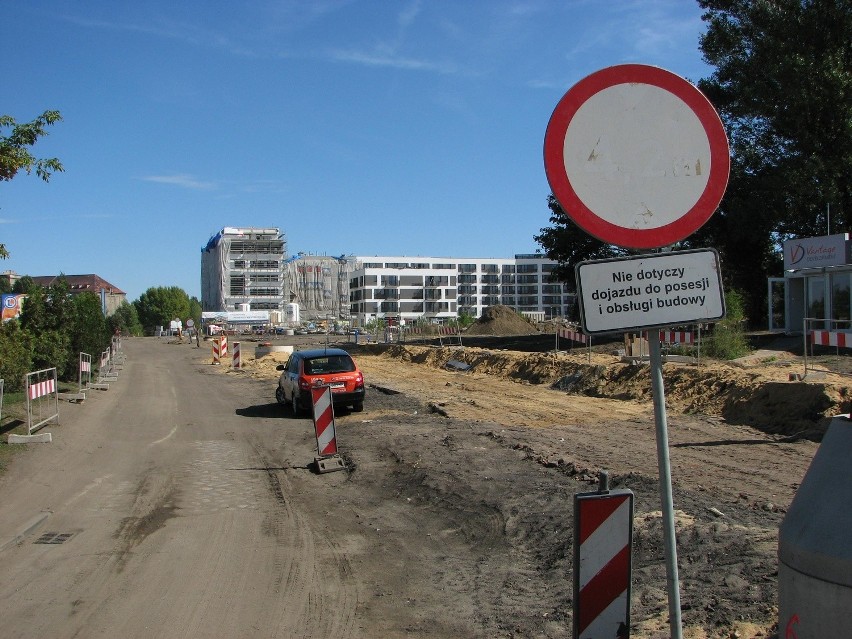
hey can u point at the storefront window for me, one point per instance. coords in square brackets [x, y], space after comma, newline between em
[816, 297]
[840, 296]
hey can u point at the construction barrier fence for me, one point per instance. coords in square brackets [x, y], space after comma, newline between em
[42, 393]
[825, 346]
[85, 371]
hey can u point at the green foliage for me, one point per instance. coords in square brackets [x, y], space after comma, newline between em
[728, 340]
[15, 355]
[52, 348]
[15, 150]
[88, 330]
[14, 146]
[23, 285]
[782, 85]
[159, 306]
[465, 320]
[125, 320]
[54, 327]
[568, 244]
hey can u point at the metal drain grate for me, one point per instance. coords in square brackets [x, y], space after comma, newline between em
[53, 538]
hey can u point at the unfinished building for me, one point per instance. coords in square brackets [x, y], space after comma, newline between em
[319, 284]
[244, 266]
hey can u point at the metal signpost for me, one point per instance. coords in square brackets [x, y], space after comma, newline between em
[638, 157]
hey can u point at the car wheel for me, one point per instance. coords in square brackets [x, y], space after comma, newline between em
[357, 408]
[279, 396]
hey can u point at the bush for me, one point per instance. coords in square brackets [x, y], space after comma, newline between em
[728, 340]
[15, 356]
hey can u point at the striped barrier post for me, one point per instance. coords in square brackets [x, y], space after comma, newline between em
[217, 345]
[223, 346]
[603, 556]
[327, 459]
[235, 362]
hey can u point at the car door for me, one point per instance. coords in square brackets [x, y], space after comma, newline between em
[292, 387]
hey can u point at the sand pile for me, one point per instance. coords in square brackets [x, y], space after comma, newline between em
[501, 320]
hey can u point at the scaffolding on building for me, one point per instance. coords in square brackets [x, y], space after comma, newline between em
[319, 284]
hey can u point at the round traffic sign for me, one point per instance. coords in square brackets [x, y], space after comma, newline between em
[636, 156]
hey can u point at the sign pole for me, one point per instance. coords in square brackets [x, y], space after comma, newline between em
[664, 466]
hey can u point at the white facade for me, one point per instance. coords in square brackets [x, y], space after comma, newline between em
[243, 265]
[439, 288]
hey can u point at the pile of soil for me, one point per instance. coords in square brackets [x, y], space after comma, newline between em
[501, 320]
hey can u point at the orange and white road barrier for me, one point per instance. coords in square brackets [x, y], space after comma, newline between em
[327, 459]
[217, 350]
[603, 535]
[235, 358]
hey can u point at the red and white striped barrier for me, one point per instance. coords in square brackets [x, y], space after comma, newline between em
[236, 362]
[324, 421]
[223, 347]
[327, 459]
[831, 338]
[217, 350]
[574, 336]
[603, 531]
[677, 337]
[40, 389]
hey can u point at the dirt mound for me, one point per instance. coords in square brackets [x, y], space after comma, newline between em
[501, 320]
[766, 400]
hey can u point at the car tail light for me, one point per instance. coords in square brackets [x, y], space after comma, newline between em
[304, 383]
[359, 380]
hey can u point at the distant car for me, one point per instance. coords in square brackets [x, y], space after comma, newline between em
[319, 367]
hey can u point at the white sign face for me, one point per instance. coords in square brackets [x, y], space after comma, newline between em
[664, 289]
[621, 156]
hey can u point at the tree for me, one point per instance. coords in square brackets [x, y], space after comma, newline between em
[87, 330]
[159, 306]
[783, 87]
[15, 154]
[125, 320]
[568, 244]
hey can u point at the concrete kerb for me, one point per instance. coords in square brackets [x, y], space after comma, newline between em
[30, 526]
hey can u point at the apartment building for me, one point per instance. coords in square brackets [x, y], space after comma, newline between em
[244, 265]
[440, 288]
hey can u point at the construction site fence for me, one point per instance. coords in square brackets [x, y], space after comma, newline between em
[826, 346]
[84, 377]
[42, 393]
[683, 341]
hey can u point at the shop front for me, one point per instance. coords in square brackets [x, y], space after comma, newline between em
[815, 287]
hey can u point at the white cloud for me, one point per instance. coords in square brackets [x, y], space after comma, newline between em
[182, 180]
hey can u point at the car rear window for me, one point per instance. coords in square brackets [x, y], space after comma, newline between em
[330, 364]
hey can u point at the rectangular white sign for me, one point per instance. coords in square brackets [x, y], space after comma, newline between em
[662, 289]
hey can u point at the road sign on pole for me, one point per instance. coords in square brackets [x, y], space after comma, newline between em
[637, 156]
[663, 289]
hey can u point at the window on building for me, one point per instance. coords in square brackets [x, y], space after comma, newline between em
[840, 302]
[816, 297]
[467, 268]
[238, 285]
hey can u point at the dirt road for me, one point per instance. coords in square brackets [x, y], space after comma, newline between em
[192, 510]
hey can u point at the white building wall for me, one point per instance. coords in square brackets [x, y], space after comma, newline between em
[395, 286]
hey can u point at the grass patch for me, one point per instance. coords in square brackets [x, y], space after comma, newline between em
[12, 420]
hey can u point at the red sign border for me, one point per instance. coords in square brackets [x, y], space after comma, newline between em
[585, 218]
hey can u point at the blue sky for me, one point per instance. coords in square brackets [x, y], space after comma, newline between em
[357, 127]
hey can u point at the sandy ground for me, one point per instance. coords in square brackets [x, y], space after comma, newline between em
[741, 439]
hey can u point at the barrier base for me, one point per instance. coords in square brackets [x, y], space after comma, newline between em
[41, 438]
[107, 378]
[97, 386]
[329, 464]
[72, 397]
